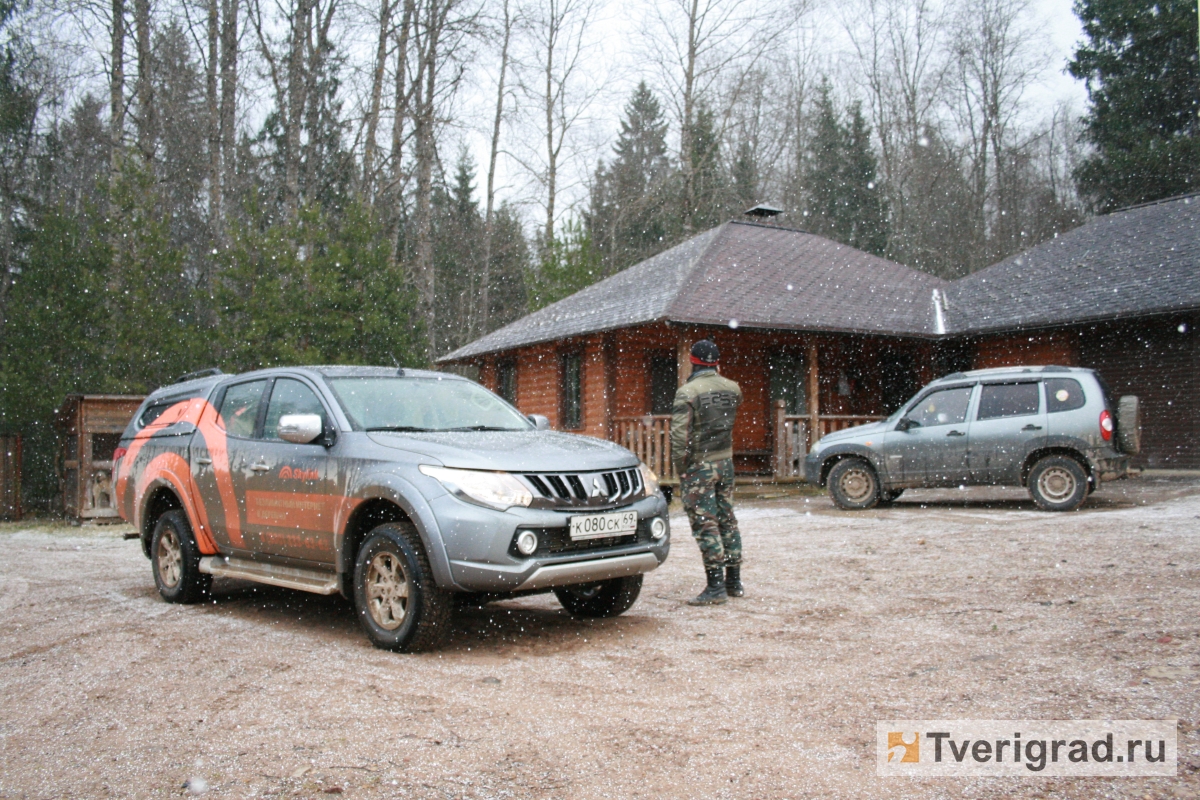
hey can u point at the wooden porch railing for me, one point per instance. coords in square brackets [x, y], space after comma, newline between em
[794, 436]
[649, 437]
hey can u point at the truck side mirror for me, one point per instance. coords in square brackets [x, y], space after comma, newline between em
[539, 422]
[300, 428]
[906, 424]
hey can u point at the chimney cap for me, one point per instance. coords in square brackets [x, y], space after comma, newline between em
[763, 210]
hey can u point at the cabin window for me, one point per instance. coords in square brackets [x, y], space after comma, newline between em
[788, 378]
[572, 391]
[664, 381]
[506, 380]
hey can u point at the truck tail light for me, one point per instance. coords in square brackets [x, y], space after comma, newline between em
[1106, 425]
[119, 453]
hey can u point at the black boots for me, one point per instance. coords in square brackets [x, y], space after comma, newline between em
[714, 594]
[733, 581]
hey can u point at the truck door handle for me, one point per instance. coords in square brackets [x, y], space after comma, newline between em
[204, 462]
[956, 433]
[260, 467]
[1032, 427]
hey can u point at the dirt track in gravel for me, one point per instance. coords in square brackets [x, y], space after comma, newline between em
[947, 605]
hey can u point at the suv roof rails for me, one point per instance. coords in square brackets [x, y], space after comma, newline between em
[1056, 369]
[954, 376]
[200, 373]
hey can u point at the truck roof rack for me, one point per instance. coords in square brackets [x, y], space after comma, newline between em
[200, 373]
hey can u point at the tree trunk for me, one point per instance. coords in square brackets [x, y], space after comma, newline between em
[488, 218]
[145, 85]
[296, 103]
[214, 118]
[401, 103]
[116, 85]
[368, 169]
[229, 79]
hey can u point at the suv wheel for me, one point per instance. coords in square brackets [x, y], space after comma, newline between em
[1058, 483]
[397, 601]
[175, 560]
[604, 599]
[853, 485]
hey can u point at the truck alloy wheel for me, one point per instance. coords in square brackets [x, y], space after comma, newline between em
[387, 591]
[398, 603]
[175, 560]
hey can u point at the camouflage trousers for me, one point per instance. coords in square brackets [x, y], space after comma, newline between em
[707, 495]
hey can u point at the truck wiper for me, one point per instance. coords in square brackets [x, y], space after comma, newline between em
[479, 428]
[399, 429]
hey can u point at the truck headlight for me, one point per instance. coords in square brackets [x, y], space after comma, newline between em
[649, 478]
[498, 490]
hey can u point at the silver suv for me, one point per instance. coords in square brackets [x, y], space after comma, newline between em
[402, 490]
[1051, 429]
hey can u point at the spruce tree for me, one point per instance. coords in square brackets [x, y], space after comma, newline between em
[1143, 81]
[628, 219]
[845, 201]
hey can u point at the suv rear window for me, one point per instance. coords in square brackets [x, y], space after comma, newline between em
[1008, 400]
[1064, 394]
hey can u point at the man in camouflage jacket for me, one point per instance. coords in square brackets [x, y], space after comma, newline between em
[702, 454]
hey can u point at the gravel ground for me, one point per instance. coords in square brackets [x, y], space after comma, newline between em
[951, 604]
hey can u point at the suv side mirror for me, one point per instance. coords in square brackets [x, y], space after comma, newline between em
[300, 428]
[539, 422]
[906, 424]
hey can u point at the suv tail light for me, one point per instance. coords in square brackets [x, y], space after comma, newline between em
[119, 453]
[1106, 425]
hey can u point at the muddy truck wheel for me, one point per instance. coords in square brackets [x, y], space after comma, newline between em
[175, 560]
[853, 485]
[397, 601]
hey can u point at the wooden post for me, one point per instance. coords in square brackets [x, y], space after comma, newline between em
[814, 396]
[782, 468]
[683, 359]
[609, 349]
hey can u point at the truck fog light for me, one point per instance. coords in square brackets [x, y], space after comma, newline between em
[527, 543]
[658, 528]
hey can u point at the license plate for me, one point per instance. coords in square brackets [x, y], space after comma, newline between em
[598, 526]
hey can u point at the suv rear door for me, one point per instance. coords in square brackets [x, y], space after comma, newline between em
[218, 459]
[1010, 419]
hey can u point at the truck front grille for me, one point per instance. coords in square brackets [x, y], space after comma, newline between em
[586, 489]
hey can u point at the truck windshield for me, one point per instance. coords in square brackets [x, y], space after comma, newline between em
[424, 404]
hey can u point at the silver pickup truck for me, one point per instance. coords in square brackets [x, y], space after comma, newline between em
[398, 488]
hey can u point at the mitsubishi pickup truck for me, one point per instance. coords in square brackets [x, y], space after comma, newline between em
[406, 491]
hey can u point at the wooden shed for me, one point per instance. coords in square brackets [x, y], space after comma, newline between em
[91, 425]
[10, 477]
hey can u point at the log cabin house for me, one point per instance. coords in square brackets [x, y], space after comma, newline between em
[822, 336]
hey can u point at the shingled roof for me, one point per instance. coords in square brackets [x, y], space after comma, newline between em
[745, 274]
[1141, 261]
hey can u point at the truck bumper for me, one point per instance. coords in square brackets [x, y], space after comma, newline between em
[483, 559]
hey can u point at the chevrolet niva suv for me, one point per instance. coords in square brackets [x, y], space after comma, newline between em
[403, 490]
[1051, 429]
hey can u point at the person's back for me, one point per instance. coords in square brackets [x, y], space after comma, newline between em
[702, 421]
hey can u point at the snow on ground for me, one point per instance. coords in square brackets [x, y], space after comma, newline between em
[949, 604]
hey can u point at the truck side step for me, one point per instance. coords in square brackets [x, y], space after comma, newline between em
[306, 580]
